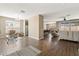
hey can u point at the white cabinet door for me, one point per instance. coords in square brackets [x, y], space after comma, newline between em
[78, 33]
[76, 36]
[70, 36]
[63, 35]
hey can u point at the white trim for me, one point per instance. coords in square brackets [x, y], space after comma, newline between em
[34, 37]
[41, 38]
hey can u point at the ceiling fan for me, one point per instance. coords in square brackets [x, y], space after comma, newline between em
[65, 17]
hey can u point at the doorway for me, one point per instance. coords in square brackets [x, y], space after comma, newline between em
[26, 27]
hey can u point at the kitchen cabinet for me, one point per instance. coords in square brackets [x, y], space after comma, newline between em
[69, 29]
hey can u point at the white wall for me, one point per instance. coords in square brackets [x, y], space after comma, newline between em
[48, 25]
[22, 26]
[41, 27]
[3, 25]
[35, 27]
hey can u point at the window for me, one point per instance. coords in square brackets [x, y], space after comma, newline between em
[12, 25]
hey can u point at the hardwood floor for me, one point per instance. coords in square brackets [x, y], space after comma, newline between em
[48, 46]
[55, 47]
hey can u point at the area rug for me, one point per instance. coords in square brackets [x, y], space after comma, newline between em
[27, 51]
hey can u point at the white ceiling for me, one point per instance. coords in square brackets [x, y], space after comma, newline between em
[50, 11]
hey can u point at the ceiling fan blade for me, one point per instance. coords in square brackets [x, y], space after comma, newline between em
[64, 16]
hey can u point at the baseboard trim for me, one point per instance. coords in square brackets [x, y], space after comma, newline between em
[41, 38]
[69, 40]
[35, 38]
